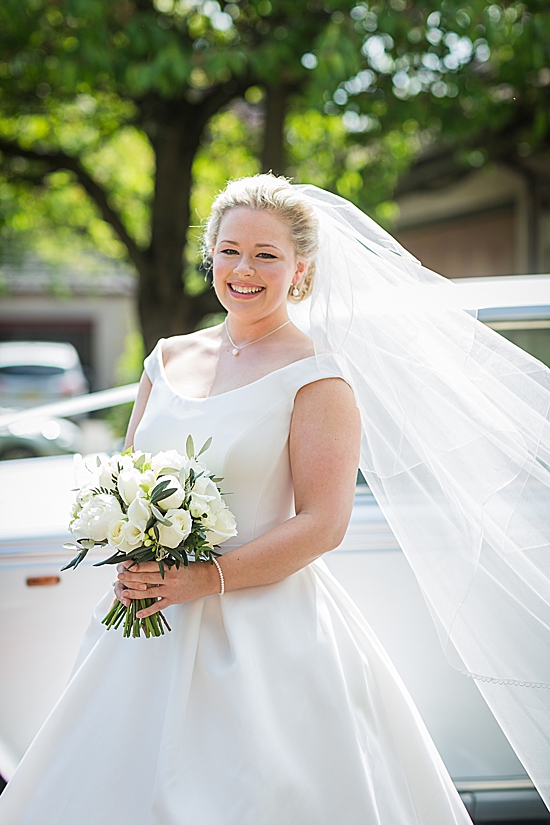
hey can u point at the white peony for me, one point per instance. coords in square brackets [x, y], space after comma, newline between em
[128, 483]
[220, 526]
[176, 498]
[167, 458]
[126, 462]
[179, 530]
[205, 497]
[96, 516]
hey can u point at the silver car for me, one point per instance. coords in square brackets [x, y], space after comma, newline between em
[35, 372]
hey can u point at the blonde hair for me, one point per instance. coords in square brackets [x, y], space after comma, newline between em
[278, 196]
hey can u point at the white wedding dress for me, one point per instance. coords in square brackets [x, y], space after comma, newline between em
[272, 705]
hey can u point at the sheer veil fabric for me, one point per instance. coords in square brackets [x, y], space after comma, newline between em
[456, 450]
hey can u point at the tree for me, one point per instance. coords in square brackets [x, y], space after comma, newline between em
[165, 69]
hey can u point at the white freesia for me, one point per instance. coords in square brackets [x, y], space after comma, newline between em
[204, 497]
[105, 475]
[96, 516]
[139, 512]
[167, 458]
[148, 480]
[179, 530]
[176, 498]
[220, 526]
[128, 483]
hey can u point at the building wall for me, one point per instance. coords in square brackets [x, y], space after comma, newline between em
[96, 325]
[477, 226]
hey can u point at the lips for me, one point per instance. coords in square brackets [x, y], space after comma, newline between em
[245, 290]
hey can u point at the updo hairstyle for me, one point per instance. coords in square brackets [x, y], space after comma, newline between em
[278, 196]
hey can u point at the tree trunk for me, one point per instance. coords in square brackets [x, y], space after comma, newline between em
[164, 308]
[276, 104]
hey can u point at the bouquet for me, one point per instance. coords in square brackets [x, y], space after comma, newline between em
[164, 507]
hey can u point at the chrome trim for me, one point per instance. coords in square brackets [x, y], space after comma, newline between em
[473, 785]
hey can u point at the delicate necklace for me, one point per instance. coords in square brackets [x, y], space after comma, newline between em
[236, 349]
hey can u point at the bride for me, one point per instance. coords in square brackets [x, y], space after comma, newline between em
[271, 701]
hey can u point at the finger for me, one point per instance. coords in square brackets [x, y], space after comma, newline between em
[144, 578]
[120, 592]
[123, 566]
[154, 608]
[146, 567]
[141, 594]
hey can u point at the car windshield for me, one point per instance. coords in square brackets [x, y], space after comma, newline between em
[34, 370]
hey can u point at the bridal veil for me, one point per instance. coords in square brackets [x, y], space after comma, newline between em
[456, 450]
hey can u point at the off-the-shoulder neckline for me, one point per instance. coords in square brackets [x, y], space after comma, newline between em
[227, 392]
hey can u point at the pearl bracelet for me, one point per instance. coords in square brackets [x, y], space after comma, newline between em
[222, 580]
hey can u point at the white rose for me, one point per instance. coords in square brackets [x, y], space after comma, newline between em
[128, 483]
[176, 498]
[97, 515]
[220, 526]
[126, 462]
[204, 497]
[167, 458]
[139, 512]
[179, 530]
[116, 535]
[134, 534]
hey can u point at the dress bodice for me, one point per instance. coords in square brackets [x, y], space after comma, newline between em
[249, 427]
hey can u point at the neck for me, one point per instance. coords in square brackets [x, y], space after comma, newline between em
[243, 330]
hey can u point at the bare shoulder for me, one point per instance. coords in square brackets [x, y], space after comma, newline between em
[330, 396]
[200, 342]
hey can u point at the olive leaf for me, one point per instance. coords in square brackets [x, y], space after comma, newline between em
[205, 446]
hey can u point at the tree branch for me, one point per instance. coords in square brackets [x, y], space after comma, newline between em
[60, 160]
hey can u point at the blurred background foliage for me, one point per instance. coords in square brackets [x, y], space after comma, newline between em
[120, 119]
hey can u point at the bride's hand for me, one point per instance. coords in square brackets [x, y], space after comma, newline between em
[143, 581]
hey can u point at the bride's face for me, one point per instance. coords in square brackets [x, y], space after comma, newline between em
[254, 263]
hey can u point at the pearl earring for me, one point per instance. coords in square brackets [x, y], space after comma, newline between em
[295, 291]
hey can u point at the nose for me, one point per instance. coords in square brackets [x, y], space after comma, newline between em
[243, 266]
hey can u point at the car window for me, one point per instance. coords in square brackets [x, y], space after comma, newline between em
[34, 370]
[533, 336]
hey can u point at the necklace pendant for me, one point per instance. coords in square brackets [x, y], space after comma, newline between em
[235, 351]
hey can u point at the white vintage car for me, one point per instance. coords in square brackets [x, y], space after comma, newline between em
[44, 613]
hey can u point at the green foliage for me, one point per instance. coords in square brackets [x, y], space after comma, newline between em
[370, 84]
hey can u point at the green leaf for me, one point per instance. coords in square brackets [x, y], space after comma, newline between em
[168, 471]
[139, 461]
[160, 516]
[205, 446]
[98, 461]
[190, 447]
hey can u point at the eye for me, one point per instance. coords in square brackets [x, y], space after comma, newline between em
[229, 251]
[266, 255]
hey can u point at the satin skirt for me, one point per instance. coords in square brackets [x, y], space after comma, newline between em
[270, 705]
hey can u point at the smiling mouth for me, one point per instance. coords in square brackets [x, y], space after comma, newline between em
[245, 290]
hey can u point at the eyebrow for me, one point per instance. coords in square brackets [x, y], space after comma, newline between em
[257, 245]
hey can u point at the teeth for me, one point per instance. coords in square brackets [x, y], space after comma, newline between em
[245, 290]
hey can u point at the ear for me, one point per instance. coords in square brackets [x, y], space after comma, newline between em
[301, 268]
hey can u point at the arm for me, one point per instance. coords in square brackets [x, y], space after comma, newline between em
[324, 455]
[140, 403]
